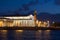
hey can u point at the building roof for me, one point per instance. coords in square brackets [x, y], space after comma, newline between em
[18, 17]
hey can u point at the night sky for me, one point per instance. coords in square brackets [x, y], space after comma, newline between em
[24, 6]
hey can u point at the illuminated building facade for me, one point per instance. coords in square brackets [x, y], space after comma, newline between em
[43, 23]
[18, 21]
[22, 21]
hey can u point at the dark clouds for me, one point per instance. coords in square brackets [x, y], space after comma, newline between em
[25, 6]
[57, 2]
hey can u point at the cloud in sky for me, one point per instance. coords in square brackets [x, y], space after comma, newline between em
[28, 5]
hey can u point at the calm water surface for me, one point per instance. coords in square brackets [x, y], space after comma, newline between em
[29, 35]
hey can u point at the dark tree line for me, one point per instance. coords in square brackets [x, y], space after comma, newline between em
[56, 24]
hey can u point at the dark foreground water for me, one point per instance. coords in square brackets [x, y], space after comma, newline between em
[29, 35]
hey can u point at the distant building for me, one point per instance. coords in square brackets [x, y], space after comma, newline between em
[19, 21]
[22, 21]
[43, 24]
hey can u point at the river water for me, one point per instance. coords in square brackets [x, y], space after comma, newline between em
[29, 34]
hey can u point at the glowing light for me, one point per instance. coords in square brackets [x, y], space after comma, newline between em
[37, 22]
[39, 30]
[4, 30]
[19, 30]
[1, 23]
[53, 22]
[38, 25]
[25, 17]
[48, 30]
[31, 15]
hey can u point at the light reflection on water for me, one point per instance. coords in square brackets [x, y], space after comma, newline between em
[18, 31]
[3, 34]
[29, 35]
[42, 35]
[18, 35]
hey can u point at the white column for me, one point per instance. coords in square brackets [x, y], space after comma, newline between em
[26, 23]
[48, 24]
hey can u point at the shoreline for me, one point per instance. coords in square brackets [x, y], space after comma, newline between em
[29, 28]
